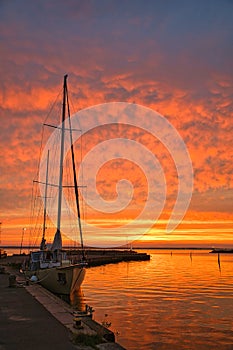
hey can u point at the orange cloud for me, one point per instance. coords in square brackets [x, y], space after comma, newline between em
[186, 75]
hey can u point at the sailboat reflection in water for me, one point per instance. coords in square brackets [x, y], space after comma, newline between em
[51, 267]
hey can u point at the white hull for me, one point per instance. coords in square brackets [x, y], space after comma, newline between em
[60, 280]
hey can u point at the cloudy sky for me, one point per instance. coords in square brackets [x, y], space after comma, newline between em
[175, 57]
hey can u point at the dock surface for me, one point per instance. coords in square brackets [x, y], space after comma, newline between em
[31, 317]
[26, 324]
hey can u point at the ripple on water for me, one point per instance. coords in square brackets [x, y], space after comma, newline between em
[170, 302]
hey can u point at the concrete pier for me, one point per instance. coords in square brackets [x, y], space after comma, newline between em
[26, 324]
[33, 318]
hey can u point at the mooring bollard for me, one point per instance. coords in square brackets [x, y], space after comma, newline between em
[12, 281]
[78, 322]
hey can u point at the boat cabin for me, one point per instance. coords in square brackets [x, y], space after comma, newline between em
[44, 259]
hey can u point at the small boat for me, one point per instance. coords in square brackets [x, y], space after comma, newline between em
[51, 267]
[222, 250]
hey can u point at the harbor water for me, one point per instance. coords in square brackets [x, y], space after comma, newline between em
[178, 300]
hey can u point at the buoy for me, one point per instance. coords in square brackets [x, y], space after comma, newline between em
[33, 279]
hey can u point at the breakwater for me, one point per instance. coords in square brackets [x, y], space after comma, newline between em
[97, 257]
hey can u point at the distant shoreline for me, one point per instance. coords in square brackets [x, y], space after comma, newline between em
[116, 248]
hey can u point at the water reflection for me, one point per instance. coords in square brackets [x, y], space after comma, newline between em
[174, 301]
[76, 299]
[219, 263]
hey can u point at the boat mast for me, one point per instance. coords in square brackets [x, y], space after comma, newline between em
[43, 241]
[57, 242]
[75, 179]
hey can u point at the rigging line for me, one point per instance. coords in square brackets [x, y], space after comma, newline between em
[53, 166]
[52, 189]
[38, 220]
[54, 103]
[31, 207]
[38, 164]
[75, 178]
[81, 155]
[74, 109]
[84, 207]
[36, 217]
[69, 194]
[37, 225]
[34, 204]
[42, 131]
[66, 193]
[70, 101]
[40, 151]
[31, 216]
[81, 138]
[45, 203]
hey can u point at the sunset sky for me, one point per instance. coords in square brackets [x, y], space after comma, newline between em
[175, 57]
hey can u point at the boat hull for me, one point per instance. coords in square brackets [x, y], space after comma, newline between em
[60, 280]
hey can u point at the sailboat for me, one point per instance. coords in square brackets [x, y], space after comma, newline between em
[51, 267]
